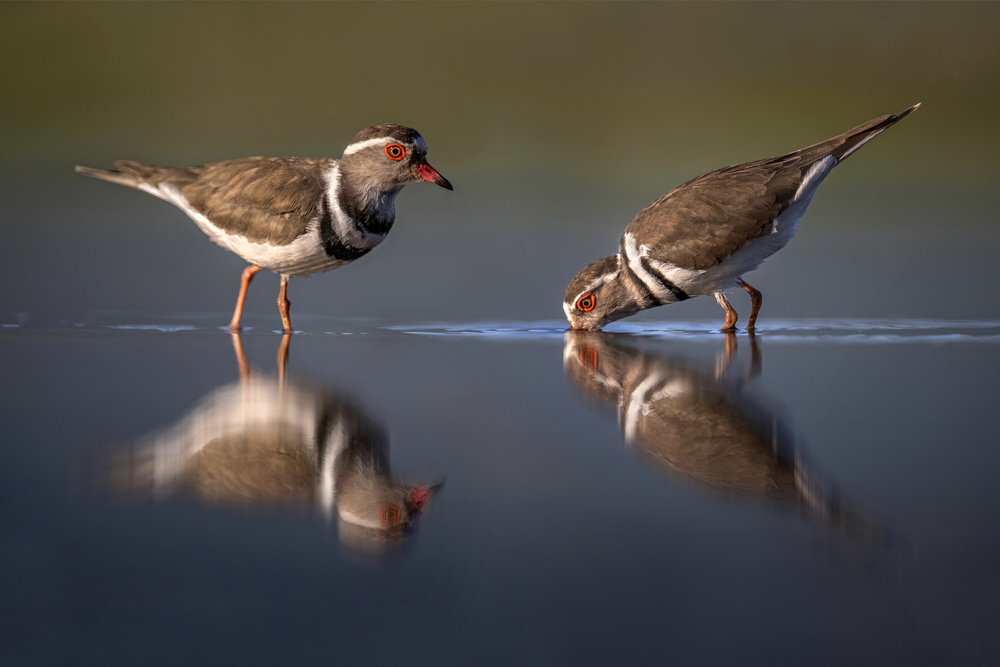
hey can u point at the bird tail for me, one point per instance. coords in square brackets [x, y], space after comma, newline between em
[132, 174]
[824, 504]
[854, 139]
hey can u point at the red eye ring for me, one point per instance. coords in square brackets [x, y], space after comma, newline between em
[391, 514]
[395, 152]
[586, 302]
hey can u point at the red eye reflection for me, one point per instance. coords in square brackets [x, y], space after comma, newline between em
[391, 514]
[588, 357]
[395, 152]
[586, 302]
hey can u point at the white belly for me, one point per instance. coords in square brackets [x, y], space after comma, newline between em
[301, 257]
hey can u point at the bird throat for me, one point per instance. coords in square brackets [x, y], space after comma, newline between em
[372, 210]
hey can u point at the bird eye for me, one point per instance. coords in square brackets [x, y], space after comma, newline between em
[391, 514]
[395, 152]
[586, 302]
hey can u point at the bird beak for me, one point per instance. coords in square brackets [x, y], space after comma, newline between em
[431, 175]
[421, 494]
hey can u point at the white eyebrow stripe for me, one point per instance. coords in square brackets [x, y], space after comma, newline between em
[367, 143]
[598, 281]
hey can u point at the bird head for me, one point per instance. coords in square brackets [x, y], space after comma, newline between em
[382, 510]
[388, 156]
[598, 295]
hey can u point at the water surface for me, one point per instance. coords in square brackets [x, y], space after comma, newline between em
[820, 491]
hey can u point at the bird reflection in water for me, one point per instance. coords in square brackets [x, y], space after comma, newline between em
[702, 427]
[275, 441]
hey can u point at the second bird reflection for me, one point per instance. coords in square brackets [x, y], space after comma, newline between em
[695, 425]
[269, 441]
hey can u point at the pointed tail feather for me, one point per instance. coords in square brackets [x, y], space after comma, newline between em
[854, 139]
[114, 176]
[132, 174]
[823, 503]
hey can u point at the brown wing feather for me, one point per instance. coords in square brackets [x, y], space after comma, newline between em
[267, 200]
[701, 223]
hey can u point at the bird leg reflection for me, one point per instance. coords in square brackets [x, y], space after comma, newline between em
[698, 427]
[276, 441]
[725, 359]
[244, 365]
[241, 359]
[755, 357]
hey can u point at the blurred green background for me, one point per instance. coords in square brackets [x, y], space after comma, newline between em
[555, 121]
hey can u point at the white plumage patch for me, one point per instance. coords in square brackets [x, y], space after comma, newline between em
[327, 486]
[682, 278]
[358, 520]
[867, 139]
[301, 257]
[367, 143]
[640, 402]
[380, 141]
[814, 176]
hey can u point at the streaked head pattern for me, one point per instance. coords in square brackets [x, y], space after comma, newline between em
[391, 155]
[598, 295]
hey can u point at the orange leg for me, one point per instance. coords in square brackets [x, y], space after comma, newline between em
[284, 304]
[248, 274]
[756, 299]
[731, 316]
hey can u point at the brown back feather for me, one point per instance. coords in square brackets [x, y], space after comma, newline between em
[267, 200]
[704, 221]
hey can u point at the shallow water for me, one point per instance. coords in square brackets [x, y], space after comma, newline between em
[820, 491]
